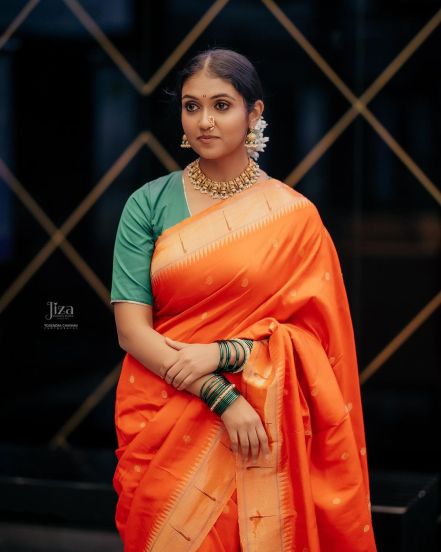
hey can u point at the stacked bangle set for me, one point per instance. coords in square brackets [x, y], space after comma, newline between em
[225, 354]
[217, 392]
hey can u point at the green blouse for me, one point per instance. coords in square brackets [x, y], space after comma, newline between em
[151, 209]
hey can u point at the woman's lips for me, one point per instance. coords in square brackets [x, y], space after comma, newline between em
[207, 139]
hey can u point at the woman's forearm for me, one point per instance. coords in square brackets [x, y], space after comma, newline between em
[150, 349]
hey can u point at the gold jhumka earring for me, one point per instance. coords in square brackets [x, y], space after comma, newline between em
[250, 141]
[185, 143]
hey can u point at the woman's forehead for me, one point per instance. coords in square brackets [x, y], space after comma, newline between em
[200, 84]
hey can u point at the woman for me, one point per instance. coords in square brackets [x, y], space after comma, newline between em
[223, 275]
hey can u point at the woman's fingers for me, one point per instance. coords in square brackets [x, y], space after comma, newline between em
[263, 439]
[183, 378]
[170, 375]
[178, 345]
[185, 382]
[244, 443]
[254, 444]
[250, 442]
[173, 373]
[245, 429]
[234, 440]
[171, 343]
[179, 379]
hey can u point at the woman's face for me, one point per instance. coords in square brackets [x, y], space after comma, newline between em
[204, 97]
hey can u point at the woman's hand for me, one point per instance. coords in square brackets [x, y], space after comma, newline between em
[193, 361]
[245, 429]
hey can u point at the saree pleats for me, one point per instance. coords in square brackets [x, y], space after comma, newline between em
[260, 265]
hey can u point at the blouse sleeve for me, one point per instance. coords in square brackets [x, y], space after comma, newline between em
[134, 244]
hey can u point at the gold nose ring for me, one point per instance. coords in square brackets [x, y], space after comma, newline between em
[211, 121]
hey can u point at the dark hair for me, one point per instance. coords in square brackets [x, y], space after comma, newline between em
[224, 64]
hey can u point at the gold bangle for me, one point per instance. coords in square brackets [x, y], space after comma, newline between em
[221, 396]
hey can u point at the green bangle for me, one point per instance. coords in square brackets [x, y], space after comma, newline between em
[235, 365]
[205, 389]
[240, 344]
[201, 391]
[210, 388]
[221, 396]
[218, 393]
[248, 342]
[226, 401]
[224, 356]
[221, 353]
[227, 361]
[215, 387]
[245, 345]
[214, 396]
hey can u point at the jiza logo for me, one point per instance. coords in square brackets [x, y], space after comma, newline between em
[58, 311]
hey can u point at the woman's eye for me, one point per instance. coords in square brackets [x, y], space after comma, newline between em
[221, 106]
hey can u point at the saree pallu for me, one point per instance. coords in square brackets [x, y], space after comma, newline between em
[259, 265]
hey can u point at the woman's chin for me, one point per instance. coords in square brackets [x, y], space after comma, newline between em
[205, 153]
[214, 151]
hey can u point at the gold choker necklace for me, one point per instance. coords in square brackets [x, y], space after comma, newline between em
[223, 189]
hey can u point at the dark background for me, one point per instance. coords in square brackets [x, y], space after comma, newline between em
[76, 119]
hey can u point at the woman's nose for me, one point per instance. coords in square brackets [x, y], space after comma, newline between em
[206, 121]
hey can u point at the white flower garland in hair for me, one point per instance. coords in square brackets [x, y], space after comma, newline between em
[261, 140]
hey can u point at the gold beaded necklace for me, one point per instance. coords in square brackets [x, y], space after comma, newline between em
[223, 189]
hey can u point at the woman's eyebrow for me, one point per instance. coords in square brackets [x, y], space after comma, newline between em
[212, 97]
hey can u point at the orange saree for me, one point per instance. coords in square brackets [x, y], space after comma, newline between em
[259, 265]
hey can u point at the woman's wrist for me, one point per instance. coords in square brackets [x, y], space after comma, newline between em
[195, 387]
